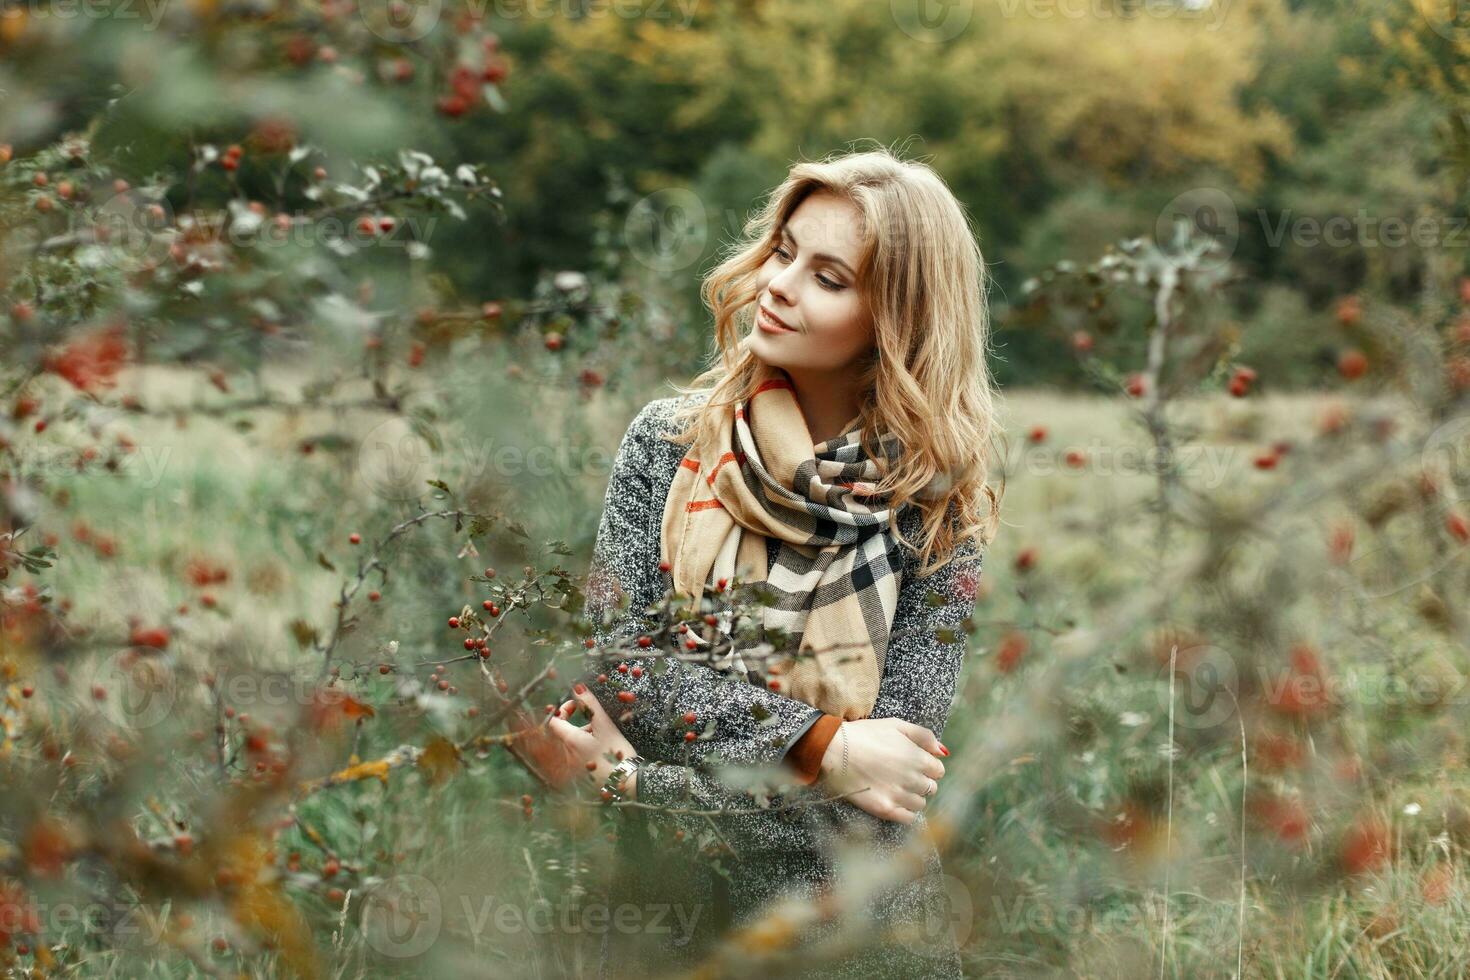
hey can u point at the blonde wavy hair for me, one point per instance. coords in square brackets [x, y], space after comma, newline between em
[924, 280]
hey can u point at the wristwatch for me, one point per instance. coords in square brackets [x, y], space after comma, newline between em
[620, 772]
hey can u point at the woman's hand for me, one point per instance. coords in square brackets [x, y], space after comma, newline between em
[891, 761]
[600, 743]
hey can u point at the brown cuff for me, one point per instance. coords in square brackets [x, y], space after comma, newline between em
[806, 755]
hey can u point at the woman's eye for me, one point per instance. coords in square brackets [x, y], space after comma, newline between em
[827, 283]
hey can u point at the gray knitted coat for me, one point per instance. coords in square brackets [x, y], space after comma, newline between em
[787, 850]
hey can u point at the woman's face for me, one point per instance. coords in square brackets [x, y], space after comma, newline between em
[809, 282]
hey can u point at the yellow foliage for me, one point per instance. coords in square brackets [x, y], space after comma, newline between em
[363, 770]
[440, 760]
[1126, 98]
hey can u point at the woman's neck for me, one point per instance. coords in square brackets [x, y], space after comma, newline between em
[827, 403]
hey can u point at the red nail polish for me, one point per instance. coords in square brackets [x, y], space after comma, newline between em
[580, 688]
[943, 749]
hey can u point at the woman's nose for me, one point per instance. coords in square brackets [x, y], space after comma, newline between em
[780, 287]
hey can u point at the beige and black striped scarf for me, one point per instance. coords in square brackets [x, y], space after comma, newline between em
[837, 574]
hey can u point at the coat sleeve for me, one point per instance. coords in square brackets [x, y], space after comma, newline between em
[920, 676]
[752, 725]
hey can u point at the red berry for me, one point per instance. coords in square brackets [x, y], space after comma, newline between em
[1352, 364]
[1038, 433]
[627, 697]
[553, 341]
[689, 717]
[454, 622]
[331, 867]
[622, 668]
[452, 105]
[602, 678]
[355, 538]
[664, 566]
[27, 691]
[690, 736]
[645, 641]
[374, 595]
[469, 643]
[487, 604]
[637, 671]
[1137, 385]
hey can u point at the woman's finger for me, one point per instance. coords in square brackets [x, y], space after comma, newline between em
[589, 701]
[577, 739]
[897, 814]
[924, 786]
[931, 767]
[910, 801]
[922, 737]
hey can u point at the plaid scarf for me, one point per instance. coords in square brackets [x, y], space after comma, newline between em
[836, 576]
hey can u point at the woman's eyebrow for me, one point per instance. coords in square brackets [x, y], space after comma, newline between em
[823, 256]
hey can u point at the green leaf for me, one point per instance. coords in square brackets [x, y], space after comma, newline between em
[934, 599]
[440, 484]
[323, 561]
[558, 547]
[514, 527]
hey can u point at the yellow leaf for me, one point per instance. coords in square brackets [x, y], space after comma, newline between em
[440, 760]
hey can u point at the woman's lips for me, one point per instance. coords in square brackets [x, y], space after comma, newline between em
[769, 324]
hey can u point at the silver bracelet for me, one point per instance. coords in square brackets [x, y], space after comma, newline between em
[843, 730]
[620, 772]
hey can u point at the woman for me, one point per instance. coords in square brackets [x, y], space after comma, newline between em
[833, 459]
